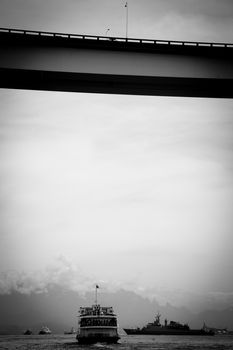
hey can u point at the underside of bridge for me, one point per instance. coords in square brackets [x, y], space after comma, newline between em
[75, 63]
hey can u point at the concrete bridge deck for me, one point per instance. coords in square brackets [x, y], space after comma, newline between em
[98, 64]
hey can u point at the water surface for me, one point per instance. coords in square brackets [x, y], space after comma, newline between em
[141, 342]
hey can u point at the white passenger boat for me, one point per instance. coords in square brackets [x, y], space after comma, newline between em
[97, 324]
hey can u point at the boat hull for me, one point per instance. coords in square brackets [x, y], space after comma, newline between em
[97, 334]
[97, 324]
[92, 339]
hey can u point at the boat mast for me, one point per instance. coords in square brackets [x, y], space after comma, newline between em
[96, 287]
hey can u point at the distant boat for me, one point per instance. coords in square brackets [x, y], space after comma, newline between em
[215, 330]
[45, 330]
[72, 331]
[97, 324]
[171, 328]
[28, 332]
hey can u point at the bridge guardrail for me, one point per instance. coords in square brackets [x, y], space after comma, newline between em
[117, 39]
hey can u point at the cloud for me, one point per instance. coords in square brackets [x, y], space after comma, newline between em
[64, 274]
[116, 179]
[61, 273]
[195, 7]
[194, 301]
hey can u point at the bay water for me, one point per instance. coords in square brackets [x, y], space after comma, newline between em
[141, 342]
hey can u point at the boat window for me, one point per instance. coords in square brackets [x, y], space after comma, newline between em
[110, 322]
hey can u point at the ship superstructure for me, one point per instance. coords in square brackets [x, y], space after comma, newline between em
[97, 324]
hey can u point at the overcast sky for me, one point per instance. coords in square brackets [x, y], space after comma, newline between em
[208, 20]
[135, 190]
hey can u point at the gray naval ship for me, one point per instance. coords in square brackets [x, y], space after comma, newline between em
[171, 328]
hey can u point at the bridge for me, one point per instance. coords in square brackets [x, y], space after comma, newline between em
[100, 64]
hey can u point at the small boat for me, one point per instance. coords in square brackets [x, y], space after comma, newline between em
[72, 331]
[215, 330]
[45, 330]
[97, 324]
[28, 332]
[171, 328]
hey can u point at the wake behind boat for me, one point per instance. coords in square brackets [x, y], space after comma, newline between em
[97, 324]
[171, 328]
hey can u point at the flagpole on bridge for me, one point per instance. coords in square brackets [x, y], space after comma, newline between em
[127, 14]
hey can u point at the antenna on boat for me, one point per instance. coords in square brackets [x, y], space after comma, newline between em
[96, 287]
